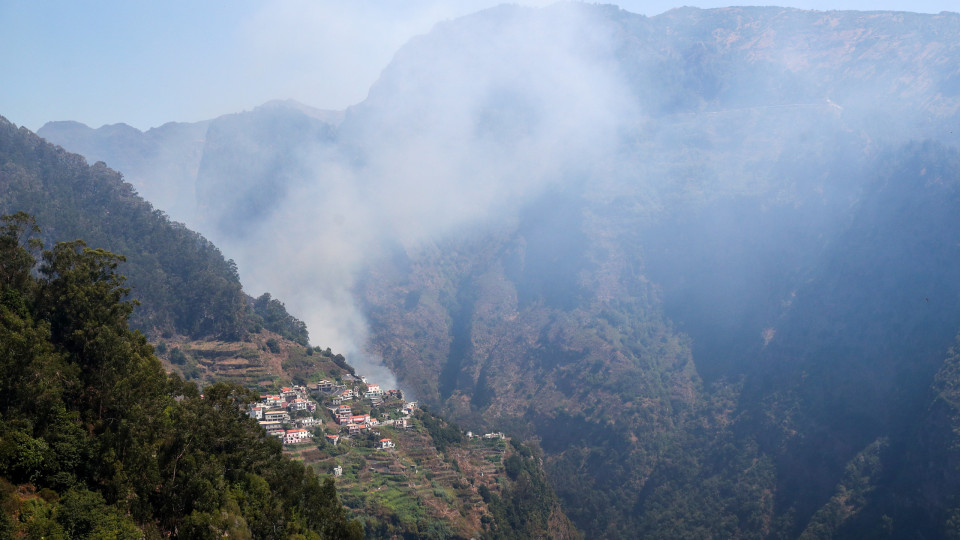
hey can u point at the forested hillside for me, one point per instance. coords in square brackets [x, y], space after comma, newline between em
[185, 284]
[97, 442]
[171, 152]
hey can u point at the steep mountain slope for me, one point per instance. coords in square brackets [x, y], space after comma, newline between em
[856, 358]
[189, 287]
[696, 257]
[250, 162]
[170, 152]
[750, 231]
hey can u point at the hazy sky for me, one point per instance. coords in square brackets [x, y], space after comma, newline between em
[149, 62]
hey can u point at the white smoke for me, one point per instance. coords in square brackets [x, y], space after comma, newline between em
[467, 123]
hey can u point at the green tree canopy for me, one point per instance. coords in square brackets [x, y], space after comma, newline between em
[119, 449]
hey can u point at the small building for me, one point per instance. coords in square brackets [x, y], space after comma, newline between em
[409, 407]
[373, 391]
[276, 415]
[294, 436]
[386, 443]
[343, 414]
[361, 419]
[256, 413]
[338, 471]
[271, 425]
[309, 421]
[298, 404]
[325, 386]
[271, 400]
[332, 439]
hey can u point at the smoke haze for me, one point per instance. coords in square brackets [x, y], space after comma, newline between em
[471, 147]
[477, 118]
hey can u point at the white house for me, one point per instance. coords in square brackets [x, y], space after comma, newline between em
[294, 436]
[308, 421]
[272, 400]
[298, 404]
[343, 414]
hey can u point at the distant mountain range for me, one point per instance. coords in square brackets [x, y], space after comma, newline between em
[707, 260]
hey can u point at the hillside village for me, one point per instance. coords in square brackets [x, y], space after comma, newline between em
[398, 468]
[384, 455]
[331, 409]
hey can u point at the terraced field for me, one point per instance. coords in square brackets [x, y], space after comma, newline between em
[413, 487]
[263, 361]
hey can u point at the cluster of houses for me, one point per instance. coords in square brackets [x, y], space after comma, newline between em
[274, 414]
[280, 414]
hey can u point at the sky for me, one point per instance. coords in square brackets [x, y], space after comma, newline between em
[146, 63]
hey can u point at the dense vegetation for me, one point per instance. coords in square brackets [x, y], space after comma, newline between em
[97, 442]
[183, 281]
[442, 433]
[527, 505]
[276, 319]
